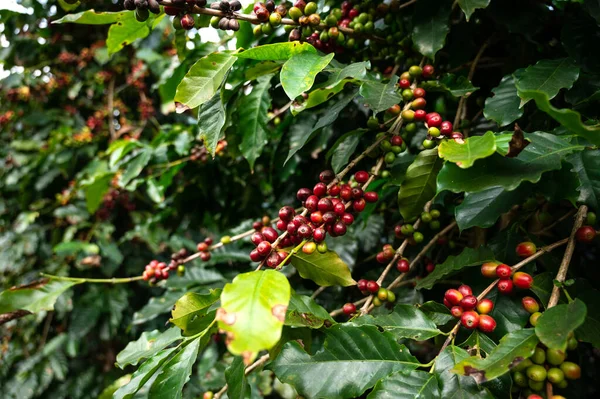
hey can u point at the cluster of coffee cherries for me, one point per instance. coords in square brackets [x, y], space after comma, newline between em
[227, 22]
[370, 287]
[200, 153]
[110, 201]
[156, 271]
[270, 16]
[204, 249]
[263, 238]
[508, 280]
[472, 313]
[142, 8]
[587, 233]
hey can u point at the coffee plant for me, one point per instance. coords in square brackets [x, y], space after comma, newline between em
[331, 199]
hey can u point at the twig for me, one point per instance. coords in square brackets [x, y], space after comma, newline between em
[557, 221]
[262, 360]
[317, 292]
[564, 265]
[111, 117]
[281, 110]
[461, 109]
[17, 314]
[408, 3]
[123, 280]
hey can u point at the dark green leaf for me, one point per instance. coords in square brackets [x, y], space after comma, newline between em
[555, 324]
[454, 386]
[590, 330]
[34, 297]
[211, 119]
[431, 25]
[94, 192]
[143, 374]
[437, 312]
[405, 321]
[466, 152]
[303, 311]
[419, 185]
[235, 375]
[91, 17]
[548, 77]
[504, 106]
[127, 30]
[469, 6]
[148, 345]
[458, 86]
[380, 96]
[134, 167]
[407, 384]
[262, 69]
[343, 149]
[299, 72]
[324, 269]
[253, 119]
[542, 286]
[156, 306]
[175, 373]
[508, 313]
[479, 340]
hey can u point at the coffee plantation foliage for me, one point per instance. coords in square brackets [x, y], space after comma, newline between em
[374, 199]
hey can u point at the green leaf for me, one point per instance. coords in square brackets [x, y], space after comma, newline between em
[419, 185]
[203, 80]
[211, 119]
[479, 340]
[94, 192]
[586, 164]
[544, 153]
[143, 374]
[542, 286]
[406, 321]
[548, 77]
[503, 143]
[276, 51]
[303, 311]
[119, 148]
[466, 152]
[431, 25]
[135, 166]
[235, 375]
[566, 117]
[504, 106]
[357, 70]
[508, 313]
[175, 373]
[380, 96]
[91, 17]
[437, 312]
[483, 208]
[147, 346]
[299, 72]
[320, 95]
[590, 330]
[190, 311]
[253, 120]
[458, 86]
[253, 311]
[71, 248]
[127, 30]
[34, 297]
[467, 258]
[454, 386]
[352, 360]
[324, 269]
[343, 149]
[555, 324]
[301, 133]
[407, 384]
[512, 350]
[262, 69]
[156, 306]
[469, 6]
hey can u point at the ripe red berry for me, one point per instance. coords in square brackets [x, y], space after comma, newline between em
[311, 203]
[487, 323]
[453, 296]
[419, 92]
[468, 302]
[403, 266]
[372, 286]
[347, 219]
[187, 22]
[362, 284]
[485, 306]
[172, 10]
[320, 189]
[433, 119]
[256, 238]
[446, 128]
[208, 241]
[303, 194]
[505, 286]
[420, 114]
[371, 196]
[456, 311]
[469, 319]
[585, 234]
[397, 140]
[327, 176]
[339, 229]
[346, 193]
[503, 271]
[305, 231]
[334, 191]
[201, 247]
[380, 257]
[419, 103]
[430, 267]
[526, 249]
[357, 193]
[447, 303]
[204, 256]
[404, 83]
[316, 217]
[349, 309]
[325, 205]
[359, 205]
[270, 234]
[264, 248]
[522, 280]
[530, 304]
[286, 213]
[489, 269]
[361, 176]
[339, 208]
[465, 290]
[319, 234]
[273, 260]
[329, 217]
[428, 71]
[353, 13]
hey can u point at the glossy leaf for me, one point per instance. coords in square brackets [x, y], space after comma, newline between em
[203, 80]
[191, 309]
[235, 375]
[407, 384]
[406, 321]
[418, 186]
[431, 25]
[34, 297]
[469, 6]
[469, 257]
[252, 313]
[458, 86]
[548, 77]
[303, 311]
[589, 331]
[352, 360]
[148, 345]
[143, 374]
[91, 17]
[466, 152]
[503, 107]
[276, 51]
[481, 341]
[253, 119]
[94, 192]
[211, 119]
[436, 312]
[586, 165]
[175, 373]
[508, 313]
[555, 324]
[324, 269]
[299, 72]
[127, 30]
[454, 386]
[513, 349]
[134, 167]
[320, 95]
[380, 96]
[343, 149]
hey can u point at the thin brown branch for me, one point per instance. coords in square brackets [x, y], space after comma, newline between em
[557, 221]
[17, 314]
[461, 110]
[110, 105]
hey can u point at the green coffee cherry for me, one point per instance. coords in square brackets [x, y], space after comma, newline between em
[310, 8]
[435, 225]
[180, 270]
[295, 13]
[267, 29]
[331, 20]
[591, 218]
[390, 157]
[533, 319]
[555, 356]
[407, 94]
[386, 174]
[382, 294]
[426, 217]
[555, 375]
[377, 302]
[539, 356]
[536, 373]
[385, 145]
[275, 19]
[407, 229]
[536, 385]
[322, 247]
[428, 144]
[391, 297]
[418, 237]
[411, 127]
[435, 213]
[434, 132]
[520, 379]
[415, 71]
[572, 371]
[523, 365]
[572, 344]
[372, 123]
[226, 240]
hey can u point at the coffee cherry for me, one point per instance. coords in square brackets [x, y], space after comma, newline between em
[453, 296]
[325, 205]
[522, 280]
[572, 344]
[485, 306]
[380, 257]
[415, 71]
[523, 365]
[591, 218]
[357, 193]
[372, 286]
[456, 311]
[536, 385]
[530, 304]
[428, 71]
[201, 247]
[536, 373]
[505, 286]
[403, 266]
[433, 119]
[187, 22]
[585, 234]
[539, 356]
[555, 356]
[304, 231]
[489, 269]
[382, 294]
[465, 290]
[208, 395]
[256, 238]
[430, 267]
[225, 240]
[533, 319]
[572, 371]
[446, 128]
[361, 176]
[520, 379]
[469, 319]
[270, 234]
[273, 260]
[320, 189]
[526, 249]
[468, 302]
[447, 303]
[339, 229]
[362, 284]
[377, 302]
[391, 297]
[407, 229]
[503, 271]
[487, 323]
[311, 203]
[555, 375]
[286, 213]
[322, 247]
[205, 256]
[319, 234]
[141, 14]
[329, 218]
[359, 205]
[347, 219]
[349, 309]
[303, 194]
[371, 196]
[264, 248]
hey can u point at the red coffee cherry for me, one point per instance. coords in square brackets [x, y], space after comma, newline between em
[362, 284]
[325, 205]
[468, 302]
[273, 260]
[489, 269]
[585, 234]
[334, 191]
[256, 238]
[487, 323]
[371, 196]
[303, 194]
[456, 311]
[420, 114]
[505, 286]
[339, 229]
[447, 303]
[187, 22]
[347, 219]
[446, 128]
[339, 208]
[522, 280]
[320, 189]
[430, 267]
[380, 257]
[346, 193]
[359, 205]
[397, 140]
[404, 83]
[433, 119]
[264, 248]
[326, 176]
[286, 213]
[208, 241]
[403, 266]
[311, 203]
[469, 319]
[319, 234]
[453, 296]
[349, 309]
[361, 176]
[485, 306]
[465, 290]
[372, 286]
[316, 217]
[357, 193]
[204, 256]
[530, 304]
[257, 226]
[526, 249]
[428, 71]
[419, 92]
[503, 271]
[270, 234]
[201, 247]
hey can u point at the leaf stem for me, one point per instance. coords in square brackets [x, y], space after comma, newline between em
[123, 280]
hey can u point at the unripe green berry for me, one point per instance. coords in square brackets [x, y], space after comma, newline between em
[572, 371]
[434, 132]
[226, 240]
[435, 213]
[391, 297]
[310, 8]
[435, 225]
[539, 356]
[407, 94]
[555, 356]
[257, 30]
[385, 174]
[520, 379]
[331, 20]
[415, 71]
[523, 365]
[267, 29]
[385, 145]
[418, 237]
[555, 375]
[536, 385]
[591, 218]
[411, 127]
[572, 344]
[295, 13]
[536, 373]
[382, 294]
[390, 157]
[180, 270]
[372, 123]
[408, 115]
[322, 247]
[275, 19]
[377, 302]
[396, 149]
[407, 229]
[428, 144]
[426, 217]
[533, 319]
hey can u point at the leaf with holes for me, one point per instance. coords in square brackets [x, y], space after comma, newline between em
[407, 384]
[252, 312]
[555, 324]
[418, 186]
[406, 321]
[299, 72]
[324, 269]
[454, 386]
[253, 120]
[464, 153]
